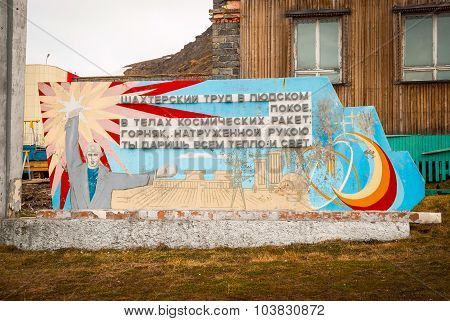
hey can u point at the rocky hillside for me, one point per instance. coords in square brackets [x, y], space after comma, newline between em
[193, 60]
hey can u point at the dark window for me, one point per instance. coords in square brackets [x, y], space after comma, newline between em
[318, 48]
[426, 47]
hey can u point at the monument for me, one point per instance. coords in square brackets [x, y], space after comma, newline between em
[220, 162]
[245, 144]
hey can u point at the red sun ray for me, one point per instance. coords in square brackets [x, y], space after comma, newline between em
[65, 186]
[115, 137]
[163, 87]
[115, 83]
[52, 174]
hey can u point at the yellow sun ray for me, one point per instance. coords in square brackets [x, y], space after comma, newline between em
[97, 91]
[85, 131]
[60, 92]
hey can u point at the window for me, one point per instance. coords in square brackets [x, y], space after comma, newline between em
[318, 44]
[426, 47]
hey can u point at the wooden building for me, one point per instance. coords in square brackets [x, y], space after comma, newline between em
[392, 54]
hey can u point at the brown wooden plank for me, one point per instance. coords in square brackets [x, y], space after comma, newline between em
[372, 64]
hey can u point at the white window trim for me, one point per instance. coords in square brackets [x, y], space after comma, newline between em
[319, 71]
[433, 68]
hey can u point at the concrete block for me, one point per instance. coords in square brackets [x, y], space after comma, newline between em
[12, 94]
[96, 234]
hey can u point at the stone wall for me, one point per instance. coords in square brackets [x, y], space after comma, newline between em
[226, 39]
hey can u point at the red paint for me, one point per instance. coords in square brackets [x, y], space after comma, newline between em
[43, 122]
[52, 175]
[71, 77]
[163, 87]
[115, 83]
[388, 198]
[115, 137]
[65, 186]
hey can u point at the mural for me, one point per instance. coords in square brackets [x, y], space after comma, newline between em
[261, 144]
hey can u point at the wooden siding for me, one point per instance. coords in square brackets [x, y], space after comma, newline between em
[371, 63]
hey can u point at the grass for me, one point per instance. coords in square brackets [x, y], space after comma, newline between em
[412, 269]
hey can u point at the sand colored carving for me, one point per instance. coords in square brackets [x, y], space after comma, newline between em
[195, 192]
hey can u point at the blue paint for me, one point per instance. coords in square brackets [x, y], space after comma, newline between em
[92, 181]
[347, 179]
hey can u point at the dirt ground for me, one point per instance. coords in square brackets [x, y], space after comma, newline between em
[35, 197]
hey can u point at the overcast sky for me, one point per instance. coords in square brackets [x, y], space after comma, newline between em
[111, 33]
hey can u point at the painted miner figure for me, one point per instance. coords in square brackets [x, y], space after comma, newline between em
[91, 183]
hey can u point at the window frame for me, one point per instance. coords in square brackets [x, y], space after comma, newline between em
[399, 11]
[435, 67]
[317, 71]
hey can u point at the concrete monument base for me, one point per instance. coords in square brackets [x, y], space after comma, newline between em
[95, 230]
[91, 234]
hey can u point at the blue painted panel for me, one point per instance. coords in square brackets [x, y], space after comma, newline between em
[348, 163]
